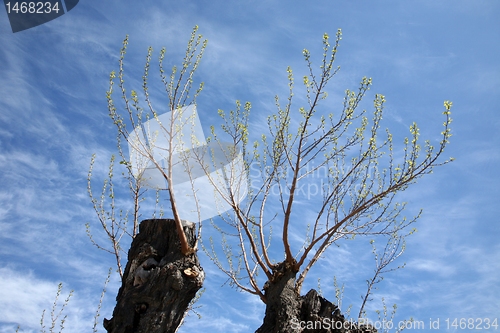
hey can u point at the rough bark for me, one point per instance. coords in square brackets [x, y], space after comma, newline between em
[282, 301]
[288, 312]
[159, 282]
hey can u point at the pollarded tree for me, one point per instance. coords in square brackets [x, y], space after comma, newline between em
[163, 273]
[361, 174]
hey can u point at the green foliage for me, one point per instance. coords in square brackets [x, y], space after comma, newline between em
[178, 86]
[115, 227]
[393, 249]
[99, 305]
[55, 314]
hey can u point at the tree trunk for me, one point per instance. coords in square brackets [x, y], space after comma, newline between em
[282, 302]
[288, 312]
[159, 282]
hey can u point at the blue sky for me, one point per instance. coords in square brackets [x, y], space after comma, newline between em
[53, 117]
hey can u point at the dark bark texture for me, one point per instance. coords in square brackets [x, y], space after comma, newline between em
[288, 312]
[159, 282]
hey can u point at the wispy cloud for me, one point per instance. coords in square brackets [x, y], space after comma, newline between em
[25, 297]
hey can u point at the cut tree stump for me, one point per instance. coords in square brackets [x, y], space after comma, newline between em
[159, 282]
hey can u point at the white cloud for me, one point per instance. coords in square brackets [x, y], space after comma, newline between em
[433, 266]
[25, 297]
[23, 294]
